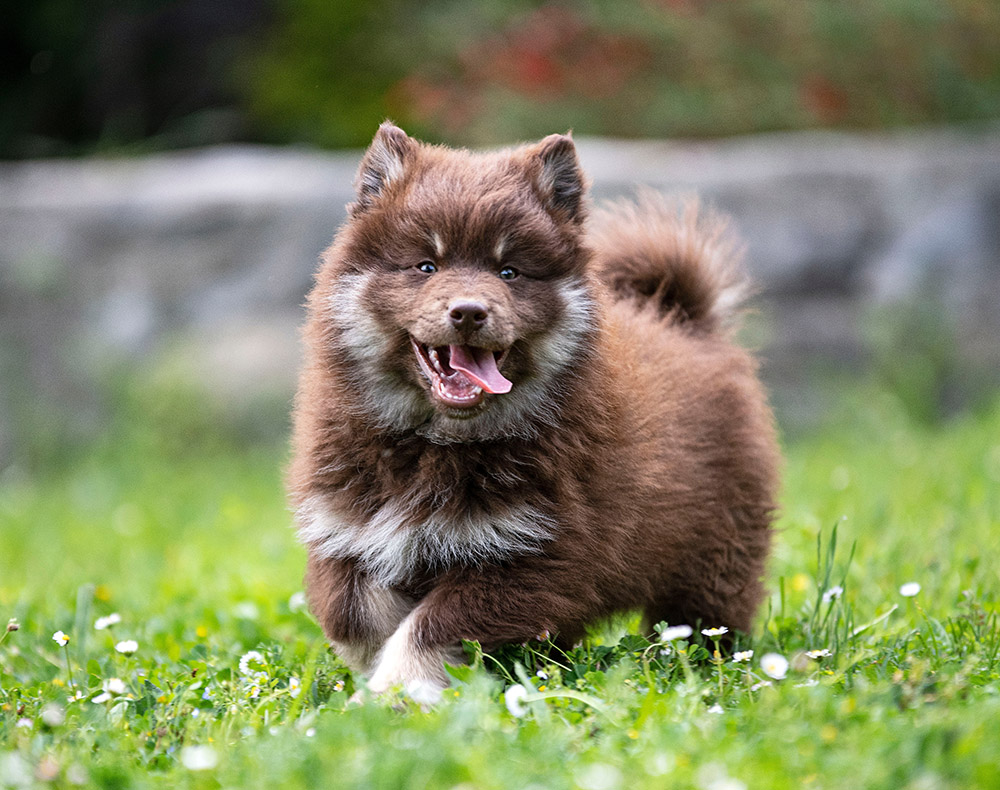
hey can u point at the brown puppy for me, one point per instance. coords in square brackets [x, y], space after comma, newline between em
[512, 420]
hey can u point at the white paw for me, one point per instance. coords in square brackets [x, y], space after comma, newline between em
[424, 692]
[419, 671]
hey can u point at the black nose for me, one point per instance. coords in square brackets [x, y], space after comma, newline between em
[467, 316]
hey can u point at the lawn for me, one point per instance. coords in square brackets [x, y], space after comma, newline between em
[214, 675]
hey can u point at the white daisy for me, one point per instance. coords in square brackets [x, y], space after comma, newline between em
[833, 593]
[818, 653]
[513, 697]
[53, 715]
[60, 638]
[294, 687]
[774, 665]
[676, 632]
[245, 660]
[246, 610]
[106, 622]
[297, 602]
[115, 686]
[199, 758]
[714, 632]
[909, 589]
[743, 655]
[127, 646]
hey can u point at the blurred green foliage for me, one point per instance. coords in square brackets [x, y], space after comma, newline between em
[660, 68]
[178, 72]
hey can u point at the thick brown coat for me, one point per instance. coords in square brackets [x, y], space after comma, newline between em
[632, 466]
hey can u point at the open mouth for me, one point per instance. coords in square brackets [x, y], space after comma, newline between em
[460, 376]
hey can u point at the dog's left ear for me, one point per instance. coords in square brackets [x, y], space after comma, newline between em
[558, 177]
[383, 164]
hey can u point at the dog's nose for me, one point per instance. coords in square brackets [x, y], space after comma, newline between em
[466, 315]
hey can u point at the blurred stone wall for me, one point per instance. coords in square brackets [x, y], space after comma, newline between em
[205, 256]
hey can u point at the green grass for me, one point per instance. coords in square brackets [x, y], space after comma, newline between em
[185, 534]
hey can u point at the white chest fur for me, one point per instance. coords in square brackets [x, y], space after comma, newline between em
[392, 543]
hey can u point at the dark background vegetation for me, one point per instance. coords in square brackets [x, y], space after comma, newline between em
[152, 74]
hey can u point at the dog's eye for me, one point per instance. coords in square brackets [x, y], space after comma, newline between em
[508, 273]
[427, 267]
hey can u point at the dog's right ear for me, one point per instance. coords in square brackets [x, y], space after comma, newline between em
[383, 164]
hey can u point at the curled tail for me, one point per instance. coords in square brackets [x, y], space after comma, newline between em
[672, 257]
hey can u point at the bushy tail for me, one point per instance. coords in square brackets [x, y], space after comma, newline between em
[672, 257]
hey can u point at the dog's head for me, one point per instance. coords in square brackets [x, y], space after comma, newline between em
[458, 289]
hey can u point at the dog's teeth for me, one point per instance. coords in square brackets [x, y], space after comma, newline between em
[446, 394]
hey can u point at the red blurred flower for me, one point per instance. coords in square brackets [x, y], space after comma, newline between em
[825, 101]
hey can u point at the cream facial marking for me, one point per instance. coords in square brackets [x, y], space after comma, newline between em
[557, 349]
[498, 250]
[439, 247]
[390, 402]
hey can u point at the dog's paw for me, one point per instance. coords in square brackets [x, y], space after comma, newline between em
[358, 698]
[426, 693]
[418, 671]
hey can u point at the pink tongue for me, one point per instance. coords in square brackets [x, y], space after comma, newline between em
[480, 365]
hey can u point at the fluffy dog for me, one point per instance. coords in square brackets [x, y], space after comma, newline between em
[515, 420]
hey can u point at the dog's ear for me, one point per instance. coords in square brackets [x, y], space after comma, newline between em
[383, 164]
[558, 177]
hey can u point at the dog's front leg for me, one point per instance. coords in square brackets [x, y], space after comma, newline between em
[492, 605]
[357, 615]
[409, 661]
